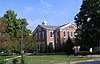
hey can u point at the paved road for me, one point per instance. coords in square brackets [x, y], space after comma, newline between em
[90, 62]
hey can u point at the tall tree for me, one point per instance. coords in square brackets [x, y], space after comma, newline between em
[11, 27]
[11, 17]
[88, 23]
[13, 30]
[69, 46]
[3, 26]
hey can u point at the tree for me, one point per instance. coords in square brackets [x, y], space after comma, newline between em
[64, 48]
[3, 24]
[69, 46]
[11, 28]
[88, 23]
[58, 47]
[4, 44]
[29, 42]
[11, 21]
[43, 47]
[50, 47]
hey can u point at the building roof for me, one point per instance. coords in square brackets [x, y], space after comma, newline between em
[48, 27]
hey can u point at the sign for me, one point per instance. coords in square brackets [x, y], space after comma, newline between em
[90, 49]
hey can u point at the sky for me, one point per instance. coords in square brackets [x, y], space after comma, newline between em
[55, 12]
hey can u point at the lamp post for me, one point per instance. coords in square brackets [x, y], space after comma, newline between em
[22, 59]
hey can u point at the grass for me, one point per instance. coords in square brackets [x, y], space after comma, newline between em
[50, 59]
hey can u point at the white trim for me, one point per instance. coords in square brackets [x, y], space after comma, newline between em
[39, 35]
[70, 24]
[50, 34]
[43, 33]
[36, 36]
[64, 33]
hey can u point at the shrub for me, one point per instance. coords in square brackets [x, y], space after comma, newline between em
[58, 47]
[43, 48]
[64, 47]
[2, 61]
[15, 61]
[84, 48]
[69, 46]
[50, 47]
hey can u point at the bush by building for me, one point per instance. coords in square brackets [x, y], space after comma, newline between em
[50, 48]
[43, 47]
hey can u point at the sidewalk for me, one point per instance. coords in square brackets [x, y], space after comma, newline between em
[84, 61]
[11, 58]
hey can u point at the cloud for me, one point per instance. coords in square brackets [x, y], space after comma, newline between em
[46, 4]
[29, 8]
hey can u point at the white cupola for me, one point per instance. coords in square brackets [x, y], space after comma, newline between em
[44, 22]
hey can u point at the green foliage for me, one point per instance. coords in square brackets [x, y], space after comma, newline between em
[29, 44]
[88, 23]
[15, 61]
[3, 24]
[43, 47]
[2, 60]
[64, 47]
[69, 46]
[58, 47]
[50, 48]
[11, 27]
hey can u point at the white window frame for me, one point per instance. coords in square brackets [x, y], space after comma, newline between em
[64, 33]
[71, 33]
[39, 35]
[36, 36]
[57, 37]
[43, 33]
[51, 34]
[68, 32]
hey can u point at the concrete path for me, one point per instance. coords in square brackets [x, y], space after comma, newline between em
[88, 62]
[93, 61]
[12, 58]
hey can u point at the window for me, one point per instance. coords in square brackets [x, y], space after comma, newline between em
[68, 34]
[38, 46]
[64, 33]
[57, 34]
[43, 35]
[36, 36]
[39, 35]
[51, 34]
[56, 37]
[71, 33]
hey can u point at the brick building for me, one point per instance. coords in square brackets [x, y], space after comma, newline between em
[53, 34]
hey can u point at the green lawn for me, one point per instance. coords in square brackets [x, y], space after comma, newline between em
[50, 59]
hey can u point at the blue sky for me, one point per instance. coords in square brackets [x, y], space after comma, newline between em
[55, 12]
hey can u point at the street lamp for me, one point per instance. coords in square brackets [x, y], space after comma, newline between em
[22, 59]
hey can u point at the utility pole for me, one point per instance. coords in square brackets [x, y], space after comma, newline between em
[22, 51]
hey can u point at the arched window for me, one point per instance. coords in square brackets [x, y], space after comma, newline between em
[64, 33]
[43, 34]
[51, 34]
[36, 36]
[39, 35]
[71, 33]
[68, 34]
